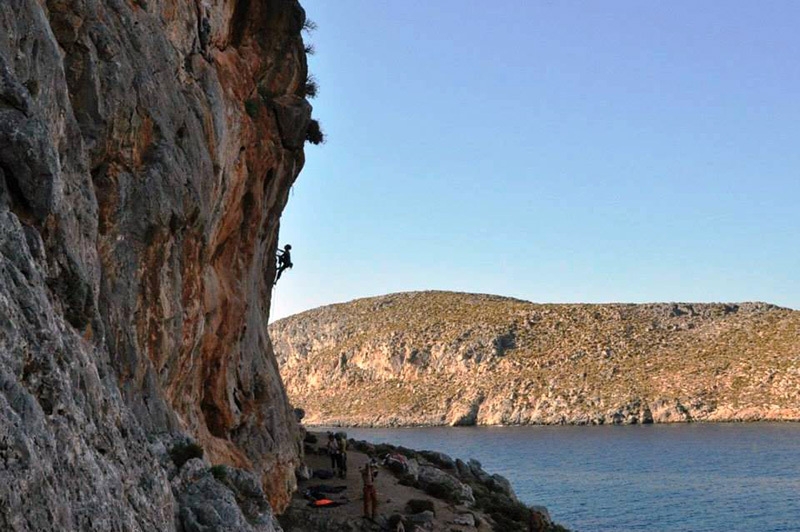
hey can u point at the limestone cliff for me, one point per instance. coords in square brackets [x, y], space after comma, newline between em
[449, 358]
[147, 149]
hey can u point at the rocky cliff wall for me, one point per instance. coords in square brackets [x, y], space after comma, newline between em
[147, 149]
[435, 358]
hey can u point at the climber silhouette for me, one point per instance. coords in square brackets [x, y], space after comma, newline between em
[284, 261]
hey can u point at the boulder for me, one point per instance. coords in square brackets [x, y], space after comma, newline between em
[421, 519]
[413, 468]
[543, 511]
[235, 501]
[415, 506]
[465, 519]
[444, 486]
[303, 472]
[293, 114]
[669, 411]
[463, 469]
[362, 446]
[477, 471]
[634, 412]
[439, 459]
[500, 484]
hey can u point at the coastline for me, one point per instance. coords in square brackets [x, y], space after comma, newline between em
[396, 424]
[421, 490]
[581, 474]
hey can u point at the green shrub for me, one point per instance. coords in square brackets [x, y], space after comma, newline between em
[507, 513]
[415, 506]
[309, 26]
[185, 451]
[407, 480]
[507, 524]
[382, 449]
[362, 446]
[440, 491]
[314, 133]
[33, 85]
[310, 87]
[251, 106]
[219, 472]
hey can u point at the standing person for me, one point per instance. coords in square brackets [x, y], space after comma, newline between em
[333, 452]
[284, 261]
[368, 474]
[341, 439]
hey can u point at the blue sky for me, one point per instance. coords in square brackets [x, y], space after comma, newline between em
[555, 151]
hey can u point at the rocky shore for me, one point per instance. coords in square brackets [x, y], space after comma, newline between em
[420, 490]
[444, 358]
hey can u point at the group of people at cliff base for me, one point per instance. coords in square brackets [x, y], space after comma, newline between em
[320, 496]
[337, 450]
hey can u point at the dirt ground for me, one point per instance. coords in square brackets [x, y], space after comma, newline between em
[392, 498]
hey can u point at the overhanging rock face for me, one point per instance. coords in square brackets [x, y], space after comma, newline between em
[143, 171]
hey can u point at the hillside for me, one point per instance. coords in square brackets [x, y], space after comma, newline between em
[436, 358]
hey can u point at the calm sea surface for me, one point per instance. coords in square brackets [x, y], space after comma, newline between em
[695, 477]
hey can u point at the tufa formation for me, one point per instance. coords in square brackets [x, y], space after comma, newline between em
[443, 358]
[147, 149]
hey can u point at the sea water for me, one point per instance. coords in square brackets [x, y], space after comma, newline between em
[682, 477]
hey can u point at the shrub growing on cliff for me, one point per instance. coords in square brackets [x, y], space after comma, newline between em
[310, 87]
[251, 106]
[310, 49]
[183, 452]
[314, 133]
[415, 506]
[309, 25]
[219, 473]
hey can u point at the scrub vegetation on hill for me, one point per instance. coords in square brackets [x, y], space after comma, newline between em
[432, 358]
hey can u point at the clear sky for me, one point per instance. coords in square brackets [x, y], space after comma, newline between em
[555, 151]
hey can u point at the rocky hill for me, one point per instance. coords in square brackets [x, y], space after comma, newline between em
[431, 358]
[147, 150]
